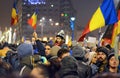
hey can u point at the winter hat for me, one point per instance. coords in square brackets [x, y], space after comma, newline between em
[24, 50]
[61, 34]
[69, 62]
[78, 52]
[68, 66]
[110, 55]
[103, 49]
[54, 50]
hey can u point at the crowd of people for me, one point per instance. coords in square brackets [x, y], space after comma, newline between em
[55, 59]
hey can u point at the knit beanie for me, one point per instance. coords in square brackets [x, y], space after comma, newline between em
[103, 49]
[110, 55]
[24, 50]
[78, 52]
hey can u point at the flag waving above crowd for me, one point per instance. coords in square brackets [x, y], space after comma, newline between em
[104, 15]
[33, 20]
[14, 16]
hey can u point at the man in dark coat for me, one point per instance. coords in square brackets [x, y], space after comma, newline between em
[102, 54]
[83, 69]
[68, 68]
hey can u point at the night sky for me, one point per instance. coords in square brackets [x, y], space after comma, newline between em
[84, 9]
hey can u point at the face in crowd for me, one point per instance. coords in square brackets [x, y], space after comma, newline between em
[58, 40]
[113, 62]
[101, 56]
[94, 59]
[47, 50]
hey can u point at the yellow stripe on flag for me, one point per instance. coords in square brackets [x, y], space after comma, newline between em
[14, 14]
[34, 17]
[97, 20]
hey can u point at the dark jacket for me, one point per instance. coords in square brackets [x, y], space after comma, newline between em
[68, 67]
[84, 70]
[101, 66]
[94, 69]
[27, 64]
[40, 47]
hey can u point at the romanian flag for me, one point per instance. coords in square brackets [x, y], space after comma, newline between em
[104, 15]
[33, 20]
[116, 30]
[14, 16]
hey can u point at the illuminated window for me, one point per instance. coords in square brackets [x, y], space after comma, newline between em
[34, 2]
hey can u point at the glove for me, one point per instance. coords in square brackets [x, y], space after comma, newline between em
[44, 60]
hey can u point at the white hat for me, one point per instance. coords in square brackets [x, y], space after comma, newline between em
[61, 34]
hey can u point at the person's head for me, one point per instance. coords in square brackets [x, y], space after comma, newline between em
[25, 49]
[68, 67]
[48, 49]
[102, 53]
[60, 37]
[5, 69]
[40, 71]
[54, 50]
[92, 58]
[63, 53]
[78, 52]
[113, 62]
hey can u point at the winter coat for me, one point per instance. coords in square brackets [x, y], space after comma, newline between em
[94, 69]
[84, 70]
[101, 66]
[27, 64]
[68, 67]
[40, 47]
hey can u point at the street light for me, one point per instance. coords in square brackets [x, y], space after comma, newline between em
[42, 23]
[43, 18]
[57, 23]
[72, 18]
[72, 23]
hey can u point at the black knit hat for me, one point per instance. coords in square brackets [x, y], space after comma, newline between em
[103, 49]
[110, 55]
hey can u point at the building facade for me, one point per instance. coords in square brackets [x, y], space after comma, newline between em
[52, 16]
